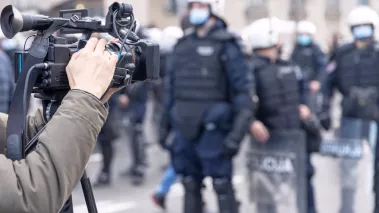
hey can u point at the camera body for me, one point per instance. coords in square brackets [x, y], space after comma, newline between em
[138, 58]
[59, 53]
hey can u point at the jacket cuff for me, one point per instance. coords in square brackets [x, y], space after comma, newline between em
[87, 106]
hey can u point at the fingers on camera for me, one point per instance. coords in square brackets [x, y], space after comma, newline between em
[76, 55]
[100, 47]
[114, 58]
[90, 46]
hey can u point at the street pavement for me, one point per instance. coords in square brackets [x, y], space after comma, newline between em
[123, 197]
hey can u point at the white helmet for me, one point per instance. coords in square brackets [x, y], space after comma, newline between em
[154, 34]
[363, 15]
[264, 33]
[217, 6]
[245, 33]
[306, 27]
[171, 35]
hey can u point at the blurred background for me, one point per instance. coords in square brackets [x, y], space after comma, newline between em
[328, 15]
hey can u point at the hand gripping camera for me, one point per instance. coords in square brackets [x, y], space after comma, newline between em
[42, 68]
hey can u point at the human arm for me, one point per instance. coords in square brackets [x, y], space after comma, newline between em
[328, 86]
[43, 181]
[168, 101]
[241, 81]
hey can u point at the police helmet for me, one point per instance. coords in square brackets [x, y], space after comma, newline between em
[217, 6]
[170, 37]
[263, 33]
[306, 27]
[154, 34]
[363, 15]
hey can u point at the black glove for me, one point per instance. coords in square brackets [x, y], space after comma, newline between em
[240, 126]
[326, 123]
[312, 129]
[164, 130]
[230, 148]
[325, 120]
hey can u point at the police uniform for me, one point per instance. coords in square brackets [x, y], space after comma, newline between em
[279, 87]
[355, 69]
[135, 111]
[312, 62]
[207, 96]
[107, 135]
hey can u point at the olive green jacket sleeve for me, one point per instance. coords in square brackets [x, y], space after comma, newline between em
[43, 181]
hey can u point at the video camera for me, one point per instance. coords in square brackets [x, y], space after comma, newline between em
[139, 59]
[42, 68]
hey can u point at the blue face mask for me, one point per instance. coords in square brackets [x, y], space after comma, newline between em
[304, 40]
[198, 16]
[363, 32]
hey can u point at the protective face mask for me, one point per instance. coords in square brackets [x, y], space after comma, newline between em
[304, 40]
[363, 32]
[198, 16]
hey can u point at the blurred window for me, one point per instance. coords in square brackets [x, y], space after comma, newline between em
[256, 9]
[364, 2]
[172, 6]
[96, 12]
[333, 4]
[255, 3]
[332, 9]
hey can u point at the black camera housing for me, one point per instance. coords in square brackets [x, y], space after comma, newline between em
[139, 62]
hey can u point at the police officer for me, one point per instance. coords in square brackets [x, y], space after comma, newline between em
[171, 35]
[137, 96]
[309, 56]
[355, 67]
[133, 102]
[279, 89]
[207, 97]
[106, 138]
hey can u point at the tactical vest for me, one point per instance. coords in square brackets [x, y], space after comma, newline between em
[278, 92]
[305, 58]
[357, 78]
[357, 68]
[199, 80]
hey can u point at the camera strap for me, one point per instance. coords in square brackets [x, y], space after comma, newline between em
[16, 127]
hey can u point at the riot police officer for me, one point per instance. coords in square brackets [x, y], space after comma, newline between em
[171, 35]
[279, 89]
[207, 97]
[312, 61]
[354, 72]
[137, 96]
